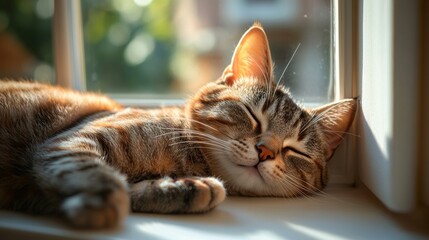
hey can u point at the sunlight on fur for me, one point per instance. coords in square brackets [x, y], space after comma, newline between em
[87, 159]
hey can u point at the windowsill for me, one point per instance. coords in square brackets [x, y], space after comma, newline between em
[344, 213]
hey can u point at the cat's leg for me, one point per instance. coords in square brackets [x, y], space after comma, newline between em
[181, 195]
[91, 194]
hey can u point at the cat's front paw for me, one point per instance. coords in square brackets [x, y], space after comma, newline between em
[181, 195]
[208, 193]
[98, 209]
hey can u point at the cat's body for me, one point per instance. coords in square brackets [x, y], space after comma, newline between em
[86, 157]
[89, 132]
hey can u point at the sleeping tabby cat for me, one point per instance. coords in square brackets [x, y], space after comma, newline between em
[88, 159]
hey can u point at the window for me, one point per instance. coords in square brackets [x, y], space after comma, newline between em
[160, 49]
[168, 48]
[171, 48]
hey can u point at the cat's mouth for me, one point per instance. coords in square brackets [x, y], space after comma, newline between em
[252, 170]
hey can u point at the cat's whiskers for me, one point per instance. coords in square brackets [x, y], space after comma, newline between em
[300, 188]
[200, 142]
[304, 189]
[203, 136]
[307, 190]
[211, 140]
[285, 179]
[281, 181]
[200, 147]
[287, 191]
[313, 120]
[305, 125]
[199, 122]
[340, 133]
[287, 65]
[291, 181]
[189, 131]
[316, 118]
[283, 185]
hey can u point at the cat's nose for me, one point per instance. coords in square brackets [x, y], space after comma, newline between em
[264, 152]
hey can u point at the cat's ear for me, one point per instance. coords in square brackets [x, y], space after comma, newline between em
[335, 120]
[252, 57]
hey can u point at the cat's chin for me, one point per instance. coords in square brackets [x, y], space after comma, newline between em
[241, 179]
[252, 170]
[254, 175]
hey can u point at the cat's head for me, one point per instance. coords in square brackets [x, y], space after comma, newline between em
[257, 139]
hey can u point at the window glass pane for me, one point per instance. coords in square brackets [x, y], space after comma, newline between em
[26, 49]
[174, 47]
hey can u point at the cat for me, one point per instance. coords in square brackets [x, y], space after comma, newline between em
[86, 158]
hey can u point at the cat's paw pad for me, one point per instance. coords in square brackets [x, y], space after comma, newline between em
[97, 210]
[203, 193]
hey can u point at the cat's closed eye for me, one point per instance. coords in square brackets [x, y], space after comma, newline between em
[301, 164]
[257, 123]
[287, 149]
[241, 135]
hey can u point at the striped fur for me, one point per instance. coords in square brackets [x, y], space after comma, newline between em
[85, 157]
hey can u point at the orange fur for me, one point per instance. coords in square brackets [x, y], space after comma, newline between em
[85, 157]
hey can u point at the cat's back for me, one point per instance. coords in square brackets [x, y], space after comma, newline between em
[31, 112]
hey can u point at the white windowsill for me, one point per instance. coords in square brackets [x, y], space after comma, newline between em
[345, 213]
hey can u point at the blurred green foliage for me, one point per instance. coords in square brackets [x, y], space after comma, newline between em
[128, 48]
[128, 44]
[20, 19]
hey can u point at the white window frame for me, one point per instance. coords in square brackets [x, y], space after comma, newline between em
[68, 45]
[344, 48]
[391, 119]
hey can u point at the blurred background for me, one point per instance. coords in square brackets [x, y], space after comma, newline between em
[170, 47]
